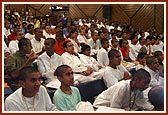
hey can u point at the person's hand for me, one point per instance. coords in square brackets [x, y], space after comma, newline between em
[32, 56]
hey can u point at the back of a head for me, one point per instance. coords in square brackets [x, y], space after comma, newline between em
[141, 55]
[156, 97]
[156, 54]
[26, 71]
[84, 47]
[65, 44]
[103, 41]
[141, 74]
[112, 53]
[60, 70]
[52, 41]
[149, 60]
[23, 42]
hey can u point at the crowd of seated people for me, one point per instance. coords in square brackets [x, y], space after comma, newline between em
[71, 53]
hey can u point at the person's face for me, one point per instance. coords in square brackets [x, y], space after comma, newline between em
[48, 46]
[28, 48]
[101, 35]
[7, 25]
[59, 34]
[124, 35]
[67, 78]
[95, 37]
[116, 60]
[17, 29]
[75, 34]
[87, 52]
[70, 48]
[136, 39]
[114, 36]
[32, 83]
[154, 65]
[153, 41]
[143, 84]
[115, 43]
[31, 30]
[143, 40]
[39, 33]
[105, 45]
[148, 42]
[142, 61]
[19, 35]
[161, 57]
[48, 29]
[125, 44]
[105, 35]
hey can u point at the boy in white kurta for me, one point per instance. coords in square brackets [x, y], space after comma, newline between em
[115, 71]
[32, 96]
[49, 61]
[126, 94]
[82, 73]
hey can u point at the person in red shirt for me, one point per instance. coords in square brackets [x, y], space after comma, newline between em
[12, 36]
[58, 48]
[125, 49]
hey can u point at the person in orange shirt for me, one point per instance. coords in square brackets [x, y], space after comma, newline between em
[58, 48]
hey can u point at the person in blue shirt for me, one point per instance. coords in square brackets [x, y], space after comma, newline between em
[66, 97]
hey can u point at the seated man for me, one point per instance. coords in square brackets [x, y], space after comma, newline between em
[32, 96]
[156, 97]
[15, 62]
[48, 61]
[67, 96]
[127, 94]
[114, 72]
[82, 73]
[102, 54]
[87, 59]
[141, 58]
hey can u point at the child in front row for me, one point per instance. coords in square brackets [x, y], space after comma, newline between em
[67, 96]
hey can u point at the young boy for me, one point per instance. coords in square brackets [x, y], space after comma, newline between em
[114, 72]
[66, 97]
[32, 96]
[141, 58]
[102, 55]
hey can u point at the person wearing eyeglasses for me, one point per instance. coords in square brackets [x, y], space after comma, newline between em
[66, 97]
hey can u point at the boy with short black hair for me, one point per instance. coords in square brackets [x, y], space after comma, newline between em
[32, 96]
[67, 96]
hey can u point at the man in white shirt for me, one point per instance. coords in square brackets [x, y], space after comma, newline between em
[134, 50]
[47, 32]
[88, 60]
[81, 37]
[38, 42]
[94, 43]
[48, 61]
[32, 96]
[13, 45]
[114, 72]
[30, 35]
[127, 94]
[7, 29]
[152, 66]
[102, 54]
[82, 73]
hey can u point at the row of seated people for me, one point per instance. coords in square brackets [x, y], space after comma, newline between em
[126, 95]
[68, 46]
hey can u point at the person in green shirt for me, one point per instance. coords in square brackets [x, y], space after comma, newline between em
[67, 96]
